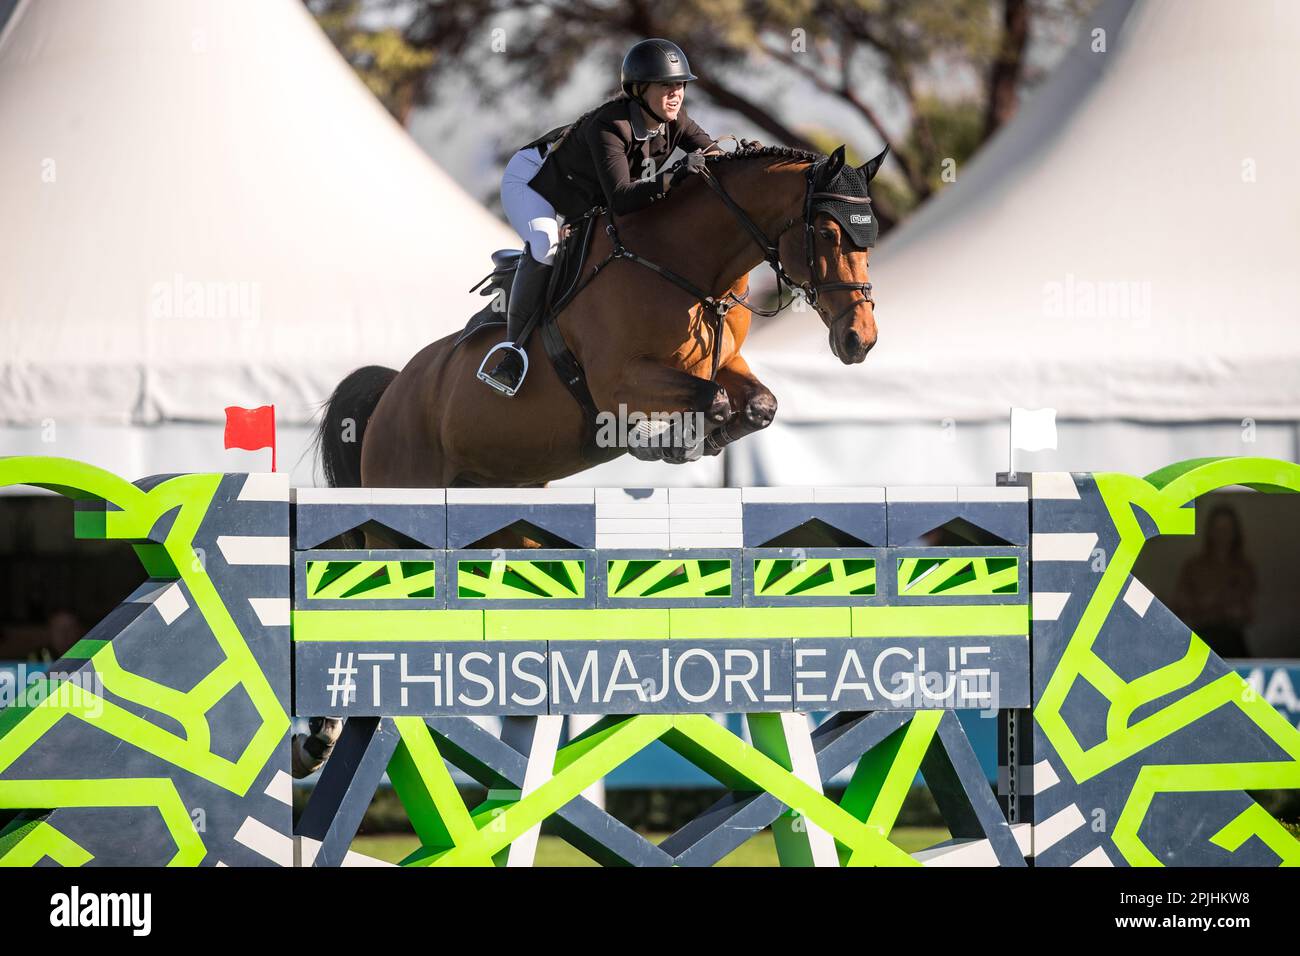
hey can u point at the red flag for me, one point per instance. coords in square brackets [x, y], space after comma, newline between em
[251, 429]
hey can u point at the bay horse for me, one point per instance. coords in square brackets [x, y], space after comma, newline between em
[647, 343]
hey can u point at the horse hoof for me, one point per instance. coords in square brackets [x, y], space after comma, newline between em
[719, 409]
[760, 410]
[308, 752]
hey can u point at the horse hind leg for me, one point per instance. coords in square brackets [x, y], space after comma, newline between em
[310, 750]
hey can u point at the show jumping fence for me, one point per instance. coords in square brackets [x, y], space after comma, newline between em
[163, 736]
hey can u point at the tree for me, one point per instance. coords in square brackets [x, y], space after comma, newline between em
[1008, 66]
[393, 69]
[957, 67]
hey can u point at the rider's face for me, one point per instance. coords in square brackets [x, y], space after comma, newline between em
[666, 98]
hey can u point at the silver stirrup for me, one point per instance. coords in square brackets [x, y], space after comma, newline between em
[483, 375]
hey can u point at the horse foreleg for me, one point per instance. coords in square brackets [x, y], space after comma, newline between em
[659, 392]
[753, 405]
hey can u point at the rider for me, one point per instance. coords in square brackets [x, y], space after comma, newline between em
[609, 156]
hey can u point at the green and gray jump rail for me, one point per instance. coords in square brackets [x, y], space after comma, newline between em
[162, 738]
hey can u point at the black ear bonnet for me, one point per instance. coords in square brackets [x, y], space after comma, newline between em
[844, 198]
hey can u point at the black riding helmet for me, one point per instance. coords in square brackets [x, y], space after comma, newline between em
[654, 61]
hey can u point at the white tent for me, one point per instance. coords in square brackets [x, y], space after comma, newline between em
[1124, 251]
[203, 206]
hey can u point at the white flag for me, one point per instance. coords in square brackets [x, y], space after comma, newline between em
[1033, 429]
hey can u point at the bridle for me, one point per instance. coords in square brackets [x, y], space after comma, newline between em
[810, 289]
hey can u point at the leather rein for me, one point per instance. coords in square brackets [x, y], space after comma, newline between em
[719, 306]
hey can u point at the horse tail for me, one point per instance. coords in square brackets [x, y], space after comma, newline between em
[343, 426]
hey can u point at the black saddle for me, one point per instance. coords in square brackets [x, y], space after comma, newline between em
[564, 283]
[567, 280]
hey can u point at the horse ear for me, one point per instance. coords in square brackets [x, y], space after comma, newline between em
[834, 163]
[872, 166]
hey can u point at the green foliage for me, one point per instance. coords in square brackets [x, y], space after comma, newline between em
[889, 191]
[390, 63]
[957, 127]
[1284, 805]
[392, 69]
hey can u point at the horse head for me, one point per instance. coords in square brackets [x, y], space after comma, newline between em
[840, 229]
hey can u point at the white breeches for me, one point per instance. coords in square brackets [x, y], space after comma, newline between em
[532, 216]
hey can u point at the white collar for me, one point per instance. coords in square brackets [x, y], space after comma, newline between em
[639, 132]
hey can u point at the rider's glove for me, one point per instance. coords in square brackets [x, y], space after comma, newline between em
[689, 165]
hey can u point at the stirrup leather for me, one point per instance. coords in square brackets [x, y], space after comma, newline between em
[502, 387]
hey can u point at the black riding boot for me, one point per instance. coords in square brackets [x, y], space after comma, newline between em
[526, 293]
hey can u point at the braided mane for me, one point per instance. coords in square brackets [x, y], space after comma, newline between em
[784, 152]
